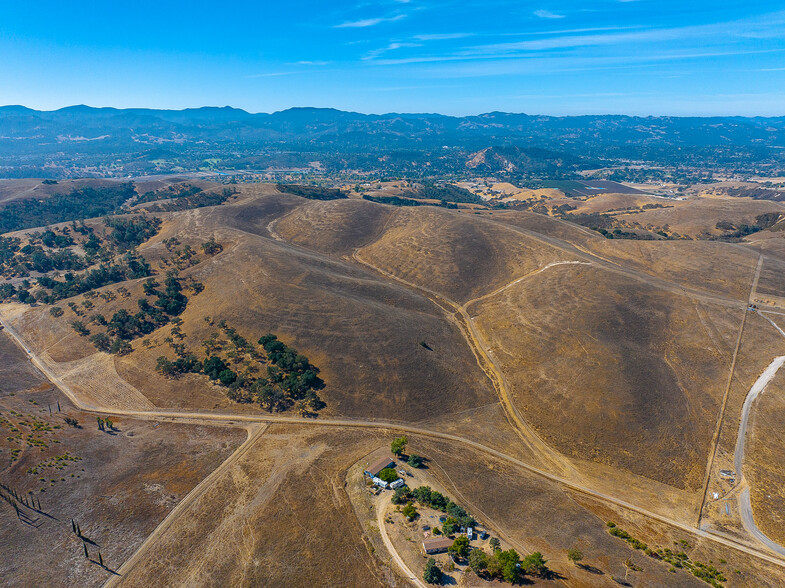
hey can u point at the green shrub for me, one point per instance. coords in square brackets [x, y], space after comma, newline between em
[388, 475]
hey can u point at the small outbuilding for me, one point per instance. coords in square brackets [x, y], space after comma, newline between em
[381, 483]
[374, 468]
[397, 484]
[436, 545]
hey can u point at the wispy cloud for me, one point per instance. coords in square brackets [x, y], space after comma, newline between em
[711, 39]
[568, 31]
[528, 63]
[547, 14]
[271, 74]
[369, 22]
[408, 88]
[391, 47]
[312, 63]
[443, 36]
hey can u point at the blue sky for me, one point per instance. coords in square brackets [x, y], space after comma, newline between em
[453, 57]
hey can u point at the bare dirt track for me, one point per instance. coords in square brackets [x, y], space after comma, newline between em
[276, 514]
[234, 419]
[544, 325]
[117, 484]
[381, 512]
[555, 348]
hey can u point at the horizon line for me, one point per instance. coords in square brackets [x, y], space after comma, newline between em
[413, 113]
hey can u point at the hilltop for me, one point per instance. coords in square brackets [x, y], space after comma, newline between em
[501, 340]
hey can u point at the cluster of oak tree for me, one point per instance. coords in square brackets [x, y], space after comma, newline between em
[507, 565]
[270, 373]
[111, 256]
[125, 326]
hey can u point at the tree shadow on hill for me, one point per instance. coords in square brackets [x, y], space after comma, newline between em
[448, 580]
[552, 575]
[423, 462]
[28, 520]
[104, 566]
[87, 540]
[591, 569]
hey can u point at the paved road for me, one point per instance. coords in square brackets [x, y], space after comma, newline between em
[745, 509]
[773, 324]
[758, 387]
[745, 504]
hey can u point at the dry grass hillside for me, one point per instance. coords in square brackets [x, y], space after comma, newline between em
[719, 268]
[702, 214]
[362, 331]
[534, 515]
[459, 256]
[601, 360]
[279, 517]
[612, 370]
[117, 484]
[580, 346]
[336, 227]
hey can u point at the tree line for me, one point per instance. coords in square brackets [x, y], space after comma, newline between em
[125, 235]
[311, 192]
[270, 373]
[80, 203]
[458, 517]
[125, 326]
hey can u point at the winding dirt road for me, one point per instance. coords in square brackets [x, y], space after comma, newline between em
[229, 419]
[458, 315]
[381, 510]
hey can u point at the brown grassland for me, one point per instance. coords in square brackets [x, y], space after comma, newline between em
[603, 361]
[118, 486]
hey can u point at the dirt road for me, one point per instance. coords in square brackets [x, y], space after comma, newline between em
[521, 279]
[235, 419]
[381, 510]
[715, 439]
[459, 316]
[254, 432]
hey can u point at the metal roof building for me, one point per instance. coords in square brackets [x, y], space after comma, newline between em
[377, 466]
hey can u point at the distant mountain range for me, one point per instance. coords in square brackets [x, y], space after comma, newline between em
[96, 140]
